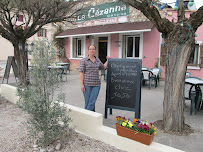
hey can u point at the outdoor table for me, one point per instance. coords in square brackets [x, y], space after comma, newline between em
[61, 64]
[195, 82]
[61, 68]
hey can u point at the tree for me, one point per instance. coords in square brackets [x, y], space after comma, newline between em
[36, 13]
[179, 41]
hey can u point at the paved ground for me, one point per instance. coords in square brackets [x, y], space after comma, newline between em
[151, 110]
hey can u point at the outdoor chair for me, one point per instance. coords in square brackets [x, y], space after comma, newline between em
[148, 76]
[66, 70]
[200, 98]
[188, 74]
[190, 94]
[145, 68]
[193, 92]
[103, 73]
[157, 71]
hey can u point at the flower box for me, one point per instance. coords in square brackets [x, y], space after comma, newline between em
[137, 136]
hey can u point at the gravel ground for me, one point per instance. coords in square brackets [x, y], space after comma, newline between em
[14, 137]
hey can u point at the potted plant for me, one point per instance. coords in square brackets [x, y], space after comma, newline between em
[140, 131]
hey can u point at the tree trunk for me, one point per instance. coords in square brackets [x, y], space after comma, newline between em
[21, 59]
[176, 65]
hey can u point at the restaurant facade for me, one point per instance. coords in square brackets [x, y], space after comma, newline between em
[120, 31]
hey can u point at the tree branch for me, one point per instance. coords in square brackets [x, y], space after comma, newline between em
[152, 14]
[196, 19]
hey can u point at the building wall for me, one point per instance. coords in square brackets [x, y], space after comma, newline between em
[196, 71]
[114, 48]
[6, 47]
[150, 48]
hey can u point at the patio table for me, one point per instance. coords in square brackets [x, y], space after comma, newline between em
[195, 82]
[59, 69]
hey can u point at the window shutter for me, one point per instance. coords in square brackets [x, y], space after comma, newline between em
[163, 55]
[201, 56]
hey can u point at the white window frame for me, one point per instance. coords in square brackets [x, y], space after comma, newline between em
[134, 36]
[83, 48]
[198, 59]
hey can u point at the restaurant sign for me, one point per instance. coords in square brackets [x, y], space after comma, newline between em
[107, 13]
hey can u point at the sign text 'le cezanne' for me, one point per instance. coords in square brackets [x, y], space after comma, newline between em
[107, 10]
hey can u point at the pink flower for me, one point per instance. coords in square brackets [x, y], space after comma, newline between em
[139, 125]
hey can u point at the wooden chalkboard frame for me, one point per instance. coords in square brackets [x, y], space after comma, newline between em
[10, 62]
[137, 108]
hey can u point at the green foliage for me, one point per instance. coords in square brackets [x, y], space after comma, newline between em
[60, 44]
[48, 120]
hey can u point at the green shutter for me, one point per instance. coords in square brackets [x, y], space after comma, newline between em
[163, 55]
[201, 56]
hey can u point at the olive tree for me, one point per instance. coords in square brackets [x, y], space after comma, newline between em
[180, 38]
[36, 14]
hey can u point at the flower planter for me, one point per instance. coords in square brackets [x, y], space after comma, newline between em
[137, 136]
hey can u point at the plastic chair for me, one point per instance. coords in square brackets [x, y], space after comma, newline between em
[148, 76]
[157, 70]
[190, 94]
[188, 74]
[145, 68]
[200, 98]
[103, 73]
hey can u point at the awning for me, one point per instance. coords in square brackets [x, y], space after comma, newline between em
[108, 29]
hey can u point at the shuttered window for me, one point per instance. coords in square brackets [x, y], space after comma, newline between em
[201, 56]
[194, 56]
[78, 50]
[42, 33]
[163, 55]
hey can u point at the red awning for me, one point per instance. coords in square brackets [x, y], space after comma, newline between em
[108, 29]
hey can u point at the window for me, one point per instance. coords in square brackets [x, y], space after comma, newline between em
[42, 33]
[20, 18]
[77, 47]
[193, 60]
[132, 46]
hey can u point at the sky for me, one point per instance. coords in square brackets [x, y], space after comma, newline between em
[198, 3]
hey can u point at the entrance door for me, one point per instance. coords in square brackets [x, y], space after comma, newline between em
[102, 48]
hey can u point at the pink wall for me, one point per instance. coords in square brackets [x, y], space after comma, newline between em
[114, 48]
[199, 32]
[150, 48]
[67, 47]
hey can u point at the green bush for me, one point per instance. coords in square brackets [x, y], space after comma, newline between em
[48, 121]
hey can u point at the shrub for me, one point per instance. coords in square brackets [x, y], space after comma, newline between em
[37, 99]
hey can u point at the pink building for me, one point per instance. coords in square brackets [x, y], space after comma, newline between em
[140, 40]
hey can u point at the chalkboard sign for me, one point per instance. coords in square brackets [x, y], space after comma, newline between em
[123, 89]
[10, 62]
